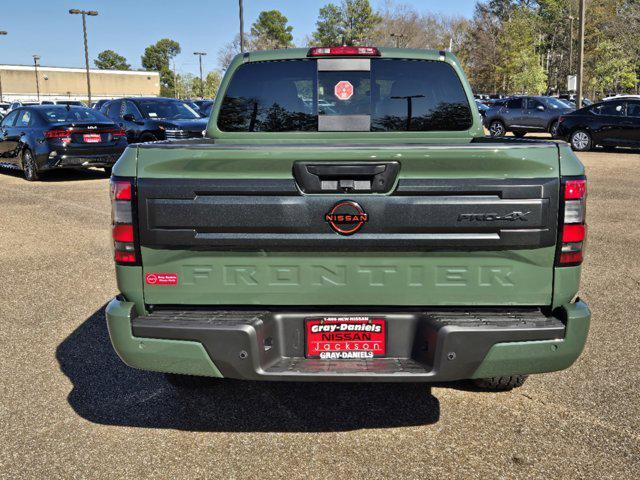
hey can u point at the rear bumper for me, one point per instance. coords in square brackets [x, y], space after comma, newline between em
[73, 160]
[430, 346]
[563, 133]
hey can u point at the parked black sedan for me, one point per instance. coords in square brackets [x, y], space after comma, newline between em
[47, 137]
[615, 123]
[155, 118]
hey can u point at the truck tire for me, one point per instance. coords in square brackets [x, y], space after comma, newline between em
[187, 381]
[497, 129]
[29, 166]
[500, 384]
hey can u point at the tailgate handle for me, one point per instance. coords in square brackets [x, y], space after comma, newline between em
[364, 177]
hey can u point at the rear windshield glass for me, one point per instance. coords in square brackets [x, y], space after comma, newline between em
[167, 109]
[271, 97]
[72, 114]
[397, 95]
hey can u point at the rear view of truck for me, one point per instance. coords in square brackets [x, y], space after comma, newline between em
[346, 220]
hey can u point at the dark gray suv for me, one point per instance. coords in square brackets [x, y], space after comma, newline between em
[522, 115]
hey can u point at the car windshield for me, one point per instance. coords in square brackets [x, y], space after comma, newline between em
[205, 110]
[167, 110]
[554, 103]
[60, 114]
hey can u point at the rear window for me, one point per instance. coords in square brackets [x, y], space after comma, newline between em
[633, 109]
[59, 114]
[393, 95]
[614, 109]
[514, 103]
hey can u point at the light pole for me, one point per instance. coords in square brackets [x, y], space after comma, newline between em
[241, 27]
[175, 81]
[200, 55]
[571, 19]
[36, 59]
[1, 99]
[583, 8]
[84, 13]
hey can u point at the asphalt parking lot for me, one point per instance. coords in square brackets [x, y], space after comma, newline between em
[70, 409]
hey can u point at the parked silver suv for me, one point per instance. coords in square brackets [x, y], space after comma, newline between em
[522, 115]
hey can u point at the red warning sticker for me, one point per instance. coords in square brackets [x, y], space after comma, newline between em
[343, 90]
[161, 278]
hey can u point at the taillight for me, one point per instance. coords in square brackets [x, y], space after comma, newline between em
[343, 52]
[58, 133]
[123, 230]
[116, 133]
[573, 230]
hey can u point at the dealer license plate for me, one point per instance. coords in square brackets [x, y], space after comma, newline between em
[346, 338]
[92, 138]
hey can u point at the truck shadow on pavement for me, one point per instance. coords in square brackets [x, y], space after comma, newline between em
[106, 391]
[62, 175]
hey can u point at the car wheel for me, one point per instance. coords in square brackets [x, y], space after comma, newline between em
[553, 129]
[148, 137]
[497, 129]
[500, 384]
[29, 166]
[580, 141]
[519, 134]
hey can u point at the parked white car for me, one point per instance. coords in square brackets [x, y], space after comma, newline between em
[621, 96]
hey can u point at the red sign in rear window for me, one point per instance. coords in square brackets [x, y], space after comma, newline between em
[344, 338]
[343, 90]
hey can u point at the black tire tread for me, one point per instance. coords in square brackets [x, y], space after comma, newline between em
[148, 137]
[36, 175]
[500, 384]
[187, 381]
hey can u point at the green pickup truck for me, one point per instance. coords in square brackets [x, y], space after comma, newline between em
[346, 219]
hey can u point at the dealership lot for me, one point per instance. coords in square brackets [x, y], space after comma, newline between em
[70, 409]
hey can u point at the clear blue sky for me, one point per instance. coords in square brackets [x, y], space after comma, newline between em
[45, 28]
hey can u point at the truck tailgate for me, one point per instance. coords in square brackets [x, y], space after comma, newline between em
[471, 224]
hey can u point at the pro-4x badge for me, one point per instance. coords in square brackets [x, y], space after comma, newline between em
[346, 217]
[493, 217]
